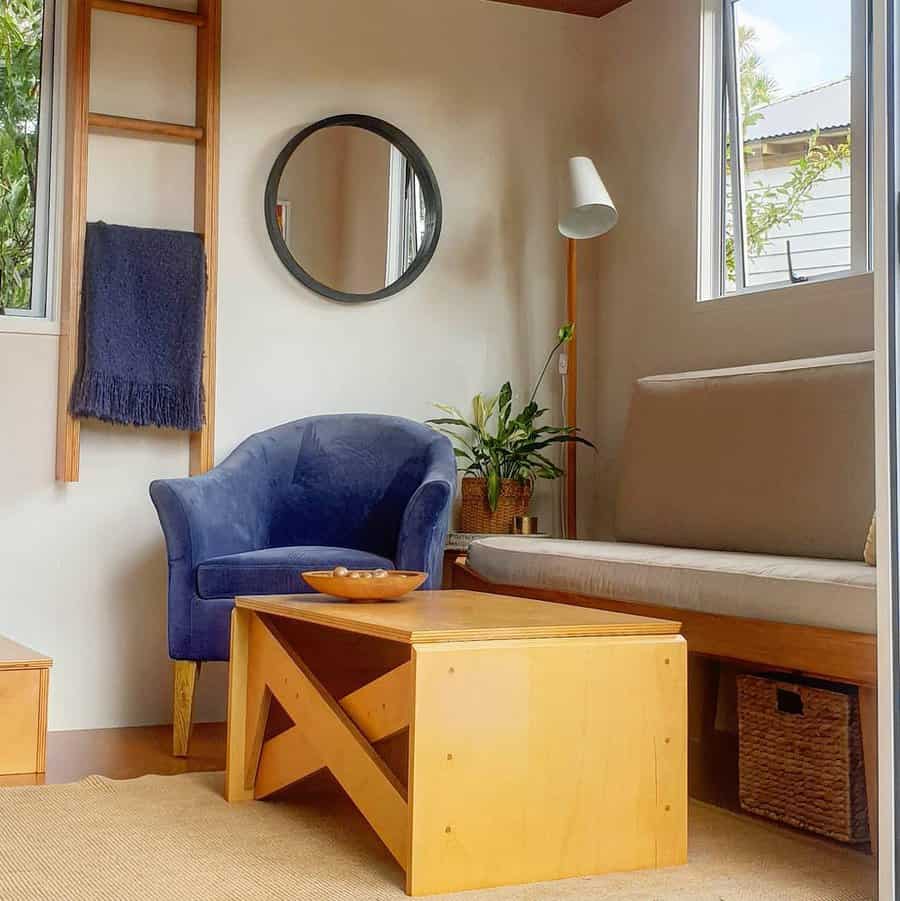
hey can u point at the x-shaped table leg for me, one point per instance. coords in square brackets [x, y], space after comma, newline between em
[333, 734]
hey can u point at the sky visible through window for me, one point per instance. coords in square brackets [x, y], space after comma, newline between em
[802, 43]
[795, 206]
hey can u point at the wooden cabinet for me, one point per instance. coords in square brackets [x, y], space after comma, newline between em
[24, 684]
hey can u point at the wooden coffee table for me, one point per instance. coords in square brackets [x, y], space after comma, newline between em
[542, 740]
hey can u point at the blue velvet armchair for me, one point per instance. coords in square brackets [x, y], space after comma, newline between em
[363, 491]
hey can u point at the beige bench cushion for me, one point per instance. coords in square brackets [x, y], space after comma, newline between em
[770, 459]
[832, 594]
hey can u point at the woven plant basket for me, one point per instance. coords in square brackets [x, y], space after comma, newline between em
[801, 757]
[477, 516]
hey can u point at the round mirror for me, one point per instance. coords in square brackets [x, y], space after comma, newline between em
[353, 208]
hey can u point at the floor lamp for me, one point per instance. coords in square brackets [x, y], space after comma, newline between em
[585, 211]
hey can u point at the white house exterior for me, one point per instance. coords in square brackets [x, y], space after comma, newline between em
[820, 240]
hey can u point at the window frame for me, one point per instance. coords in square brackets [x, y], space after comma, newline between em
[396, 210]
[400, 170]
[718, 95]
[41, 318]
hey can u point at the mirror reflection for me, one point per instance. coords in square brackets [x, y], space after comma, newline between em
[351, 209]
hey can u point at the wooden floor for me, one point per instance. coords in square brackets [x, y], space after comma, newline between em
[126, 754]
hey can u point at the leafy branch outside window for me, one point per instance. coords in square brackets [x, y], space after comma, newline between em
[21, 23]
[767, 207]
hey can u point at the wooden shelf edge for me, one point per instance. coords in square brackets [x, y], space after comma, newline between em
[206, 215]
[205, 137]
[78, 73]
[145, 127]
[150, 11]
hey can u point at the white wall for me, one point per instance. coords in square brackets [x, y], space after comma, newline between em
[640, 315]
[497, 96]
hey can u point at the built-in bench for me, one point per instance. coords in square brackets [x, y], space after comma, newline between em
[745, 497]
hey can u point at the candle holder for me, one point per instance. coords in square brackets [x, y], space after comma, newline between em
[525, 525]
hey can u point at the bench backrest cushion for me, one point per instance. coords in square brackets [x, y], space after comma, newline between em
[772, 459]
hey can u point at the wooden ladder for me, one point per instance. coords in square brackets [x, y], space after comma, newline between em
[205, 136]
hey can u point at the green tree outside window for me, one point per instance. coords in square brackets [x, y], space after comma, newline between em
[767, 207]
[21, 25]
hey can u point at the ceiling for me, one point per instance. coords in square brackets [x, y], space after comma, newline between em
[595, 8]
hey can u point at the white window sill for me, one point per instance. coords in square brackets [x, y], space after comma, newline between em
[782, 290]
[27, 325]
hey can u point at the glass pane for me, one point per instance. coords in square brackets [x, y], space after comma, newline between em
[729, 267]
[794, 62]
[21, 24]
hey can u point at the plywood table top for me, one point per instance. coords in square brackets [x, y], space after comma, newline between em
[16, 656]
[436, 616]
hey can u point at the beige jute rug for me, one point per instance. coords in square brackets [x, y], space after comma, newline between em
[174, 839]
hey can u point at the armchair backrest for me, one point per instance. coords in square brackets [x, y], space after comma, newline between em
[344, 480]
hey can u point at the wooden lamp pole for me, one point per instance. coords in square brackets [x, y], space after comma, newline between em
[585, 211]
[571, 389]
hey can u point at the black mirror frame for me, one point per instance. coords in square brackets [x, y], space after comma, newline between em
[430, 189]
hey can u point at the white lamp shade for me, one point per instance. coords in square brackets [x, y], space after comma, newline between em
[585, 207]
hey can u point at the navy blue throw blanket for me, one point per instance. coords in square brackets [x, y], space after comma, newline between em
[142, 327]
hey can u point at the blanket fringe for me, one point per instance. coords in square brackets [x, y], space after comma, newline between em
[101, 396]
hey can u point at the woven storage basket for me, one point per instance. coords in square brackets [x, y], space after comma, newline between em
[801, 757]
[477, 516]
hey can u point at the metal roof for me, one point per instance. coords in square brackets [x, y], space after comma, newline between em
[822, 108]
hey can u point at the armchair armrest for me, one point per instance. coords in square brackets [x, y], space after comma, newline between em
[225, 511]
[426, 520]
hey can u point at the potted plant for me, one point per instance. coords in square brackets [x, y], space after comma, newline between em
[501, 455]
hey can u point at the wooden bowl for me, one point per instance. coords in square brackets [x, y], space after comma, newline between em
[394, 585]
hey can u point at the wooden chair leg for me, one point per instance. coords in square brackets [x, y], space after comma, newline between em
[868, 717]
[186, 674]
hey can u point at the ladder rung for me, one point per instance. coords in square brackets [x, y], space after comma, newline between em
[149, 11]
[145, 127]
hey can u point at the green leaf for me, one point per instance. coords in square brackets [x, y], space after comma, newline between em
[527, 416]
[21, 23]
[454, 437]
[493, 489]
[458, 422]
[452, 411]
[505, 399]
[478, 411]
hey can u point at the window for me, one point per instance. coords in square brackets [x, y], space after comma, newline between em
[406, 216]
[788, 84]
[26, 94]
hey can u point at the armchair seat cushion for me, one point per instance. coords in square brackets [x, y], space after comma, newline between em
[276, 570]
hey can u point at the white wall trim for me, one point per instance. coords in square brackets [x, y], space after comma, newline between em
[883, 258]
[710, 162]
[28, 325]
